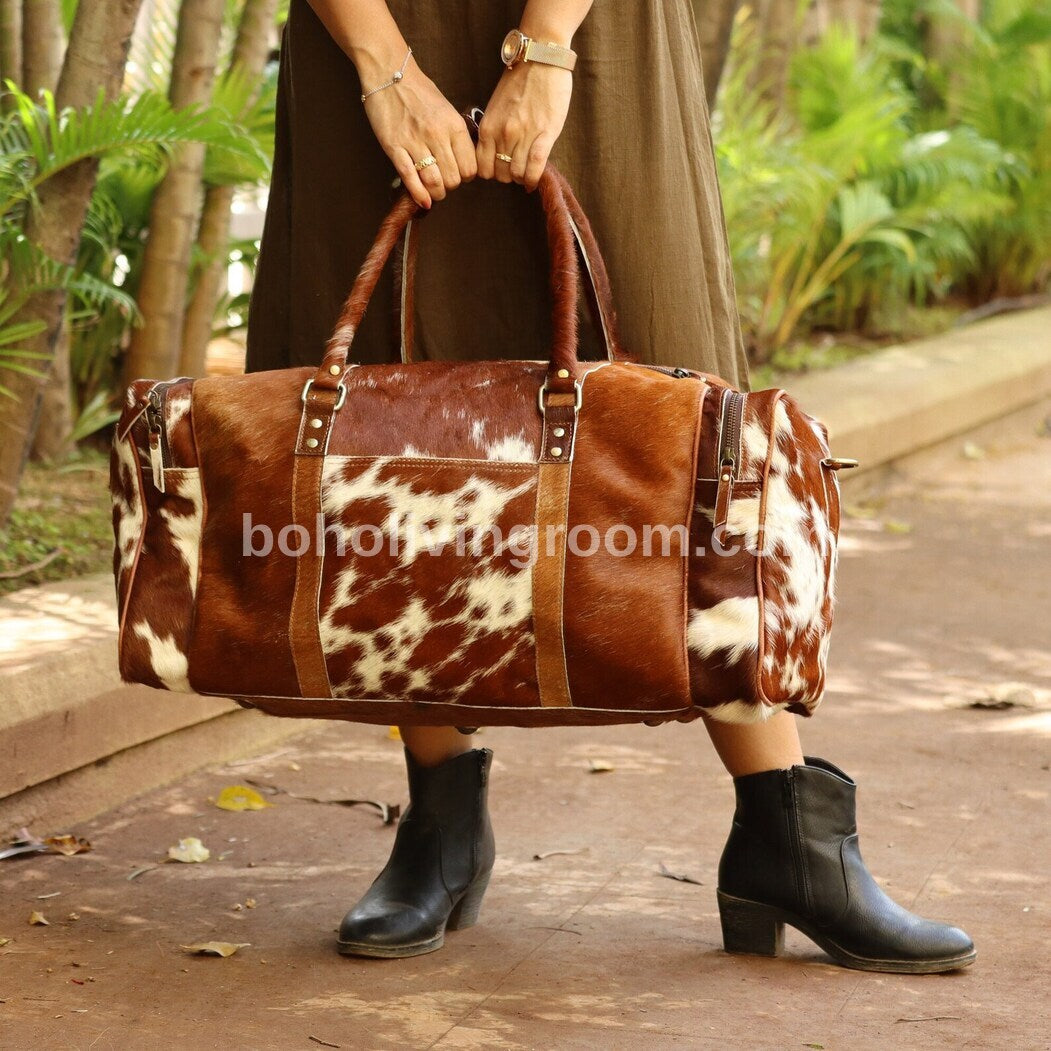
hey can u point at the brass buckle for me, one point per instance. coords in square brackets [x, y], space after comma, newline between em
[578, 397]
[339, 401]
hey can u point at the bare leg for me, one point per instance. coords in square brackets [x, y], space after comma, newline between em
[431, 745]
[750, 748]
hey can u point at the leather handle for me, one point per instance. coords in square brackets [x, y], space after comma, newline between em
[564, 278]
[597, 288]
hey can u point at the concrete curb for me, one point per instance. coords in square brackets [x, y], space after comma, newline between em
[74, 741]
[902, 399]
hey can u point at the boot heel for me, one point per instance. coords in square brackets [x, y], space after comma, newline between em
[749, 927]
[465, 912]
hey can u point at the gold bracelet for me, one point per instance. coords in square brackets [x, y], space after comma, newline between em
[393, 80]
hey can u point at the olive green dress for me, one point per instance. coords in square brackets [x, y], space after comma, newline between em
[636, 147]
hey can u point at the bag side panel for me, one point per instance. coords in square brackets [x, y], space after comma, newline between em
[724, 613]
[632, 476]
[157, 580]
[246, 427]
[798, 568]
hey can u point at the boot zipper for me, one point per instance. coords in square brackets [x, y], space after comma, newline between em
[160, 454]
[794, 841]
[729, 453]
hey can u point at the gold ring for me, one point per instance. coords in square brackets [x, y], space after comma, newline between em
[503, 157]
[425, 162]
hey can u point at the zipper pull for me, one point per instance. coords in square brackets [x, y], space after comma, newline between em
[153, 418]
[724, 494]
[157, 460]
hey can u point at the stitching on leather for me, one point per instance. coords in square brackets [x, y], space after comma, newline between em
[760, 593]
[653, 712]
[138, 544]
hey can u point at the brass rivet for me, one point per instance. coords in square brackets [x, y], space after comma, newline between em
[312, 443]
[317, 423]
[334, 369]
[726, 477]
[558, 432]
[556, 451]
[563, 374]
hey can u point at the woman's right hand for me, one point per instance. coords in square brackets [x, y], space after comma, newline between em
[413, 119]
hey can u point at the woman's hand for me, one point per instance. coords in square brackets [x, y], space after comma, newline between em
[523, 120]
[413, 119]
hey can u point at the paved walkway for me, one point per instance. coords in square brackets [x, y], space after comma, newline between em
[945, 590]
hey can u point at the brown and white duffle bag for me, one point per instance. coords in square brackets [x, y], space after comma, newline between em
[509, 542]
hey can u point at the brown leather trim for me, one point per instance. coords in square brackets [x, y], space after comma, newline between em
[304, 637]
[552, 505]
[761, 648]
[126, 597]
[427, 713]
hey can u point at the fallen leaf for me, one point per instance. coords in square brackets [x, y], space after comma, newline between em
[19, 847]
[5, 941]
[859, 511]
[215, 948]
[68, 845]
[681, 877]
[294, 766]
[393, 733]
[552, 853]
[1006, 695]
[892, 525]
[38, 918]
[240, 797]
[249, 903]
[600, 766]
[74, 916]
[932, 1018]
[972, 451]
[389, 812]
[189, 850]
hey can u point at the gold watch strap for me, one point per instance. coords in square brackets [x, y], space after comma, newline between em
[549, 54]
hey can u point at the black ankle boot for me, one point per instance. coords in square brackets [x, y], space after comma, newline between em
[793, 857]
[439, 867]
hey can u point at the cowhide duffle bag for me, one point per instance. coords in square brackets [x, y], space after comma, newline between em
[524, 543]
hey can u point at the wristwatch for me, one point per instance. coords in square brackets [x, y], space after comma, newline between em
[517, 47]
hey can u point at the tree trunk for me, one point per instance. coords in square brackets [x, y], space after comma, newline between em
[54, 440]
[11, 42]
[943, 35]
[176, 208]
[777, 23]
[251, 49]
[715, 22]
[98, 49]
[41, 45]
[859, 16]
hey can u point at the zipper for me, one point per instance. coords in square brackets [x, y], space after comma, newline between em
[730, 426]
[160, 453]
[668, 370]
[795, 845]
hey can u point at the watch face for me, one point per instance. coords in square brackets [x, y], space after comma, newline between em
[511, 47]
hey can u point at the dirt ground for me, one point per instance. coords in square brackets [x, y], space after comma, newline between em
[945, 589]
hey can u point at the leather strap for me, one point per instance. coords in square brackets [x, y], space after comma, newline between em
[549, 568]
[598, 295]
[304, 637]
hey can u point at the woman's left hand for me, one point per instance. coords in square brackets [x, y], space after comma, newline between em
[523, 120]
